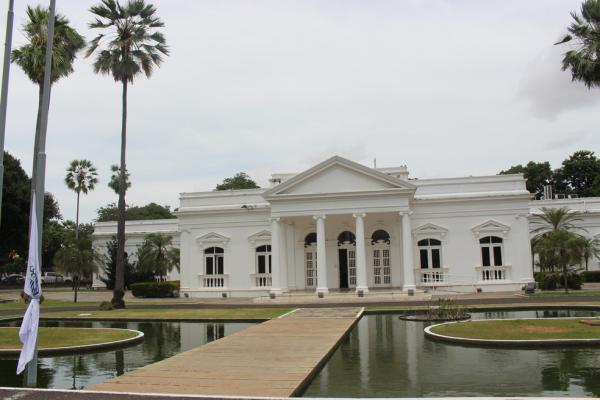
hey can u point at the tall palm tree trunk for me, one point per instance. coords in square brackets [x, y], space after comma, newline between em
[77, 219]
[119, 290]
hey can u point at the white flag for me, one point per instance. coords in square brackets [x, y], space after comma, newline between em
[29, 327]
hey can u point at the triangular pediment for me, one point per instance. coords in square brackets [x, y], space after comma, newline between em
[260, 237]
[338, 175]
[430, 229]
[489, 227]
[212, 238]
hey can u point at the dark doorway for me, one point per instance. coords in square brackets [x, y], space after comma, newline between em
[343, 256]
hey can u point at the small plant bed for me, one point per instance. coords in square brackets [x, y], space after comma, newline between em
[442, 310]
[69, 340]
[519, 332]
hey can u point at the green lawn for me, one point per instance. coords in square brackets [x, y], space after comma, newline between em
[475, 307]
[175, 313]
[63, 337]
[521, 329]
[574, 293]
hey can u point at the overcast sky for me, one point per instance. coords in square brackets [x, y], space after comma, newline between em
[447, 87]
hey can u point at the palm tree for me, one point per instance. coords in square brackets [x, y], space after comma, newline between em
[81, 178]
[590, 248]
[77, 259]
[554, 239]
[31, 56]
[116, 177]
[584, 59]
[128, 46]
[157, 255]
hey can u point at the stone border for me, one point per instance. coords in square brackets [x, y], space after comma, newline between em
[509, 342]
[139, 337]
[422, 318]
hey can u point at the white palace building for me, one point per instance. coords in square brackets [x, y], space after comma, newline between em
[342, 226]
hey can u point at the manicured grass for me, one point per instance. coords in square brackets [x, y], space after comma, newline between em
[63, 337]
[475, 307]
[174, 313]
[574, 293]
[530, 329]
[18, 305]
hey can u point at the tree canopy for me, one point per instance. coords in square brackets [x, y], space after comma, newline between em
[579, 174]
[239, 181]
[134, 213]
[157, 255]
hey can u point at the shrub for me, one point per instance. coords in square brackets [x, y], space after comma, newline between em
[591, 276]
[106, 306]
[154, 289]
[555, 280]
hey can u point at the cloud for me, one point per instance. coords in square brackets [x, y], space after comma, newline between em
[549, 91]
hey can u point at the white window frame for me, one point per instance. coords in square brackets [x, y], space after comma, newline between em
[429, 248]
[215, 260]
[267, 255]
[490, 246]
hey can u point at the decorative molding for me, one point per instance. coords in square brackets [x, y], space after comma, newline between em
[316, 217]
[359, 214]
[430, 230]
[260, 238]
[490, 227]
[212, 239]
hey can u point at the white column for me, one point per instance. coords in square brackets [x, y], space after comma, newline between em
[291, 260]
[283, 250]
[275, 256]
[407, 252]
[321, 255]
[361, 256]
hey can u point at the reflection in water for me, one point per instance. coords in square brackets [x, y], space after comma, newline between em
[384, 356]
[161, 340]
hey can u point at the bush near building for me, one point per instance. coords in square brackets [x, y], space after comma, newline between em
[155, 289]
[555, 280]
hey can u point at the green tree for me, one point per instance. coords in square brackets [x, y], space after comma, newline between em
[116, 177]
[538, 175]
[78, 259]
[15, 210]
[583, 59]
[157, 255]
[128, 46]
[135, 213]
[589, 248]
[555, 240]
[81, 178]
[110, 267]
[579, 174]
[239, 181]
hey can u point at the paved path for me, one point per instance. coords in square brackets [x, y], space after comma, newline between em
[275, 358]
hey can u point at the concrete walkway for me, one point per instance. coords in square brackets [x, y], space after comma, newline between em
[275, 358]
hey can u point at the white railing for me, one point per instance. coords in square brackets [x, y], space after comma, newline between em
[214, 281]
[432, 276]
[493, 274]
[262, 280]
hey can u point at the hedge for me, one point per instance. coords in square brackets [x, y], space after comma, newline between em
[591, 276]
[155, 289]
[555, 280]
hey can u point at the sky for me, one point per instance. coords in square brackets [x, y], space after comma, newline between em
[446, 87]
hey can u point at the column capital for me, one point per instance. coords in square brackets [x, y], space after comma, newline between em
[275, 219]
[316, 217]
[359, 214]
[403, 213]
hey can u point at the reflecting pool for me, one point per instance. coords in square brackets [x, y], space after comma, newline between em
[161, 340]
[384, 356]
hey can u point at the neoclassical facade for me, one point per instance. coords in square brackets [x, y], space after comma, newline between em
[342, 226]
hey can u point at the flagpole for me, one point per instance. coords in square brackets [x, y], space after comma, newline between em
[4, 93]
[40, 168]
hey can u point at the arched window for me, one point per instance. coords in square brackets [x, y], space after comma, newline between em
[380, 240]
[491, 251]
[346, 237]
[213, 261]
[263, 259]
[310, 259]
[430, 253]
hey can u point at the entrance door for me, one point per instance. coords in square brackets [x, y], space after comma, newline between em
[343, 256]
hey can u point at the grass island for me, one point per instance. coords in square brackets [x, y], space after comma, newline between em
[66, 340]
[547, 331]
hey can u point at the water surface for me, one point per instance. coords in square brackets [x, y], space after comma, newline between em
[161, 340]
[384, 356]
